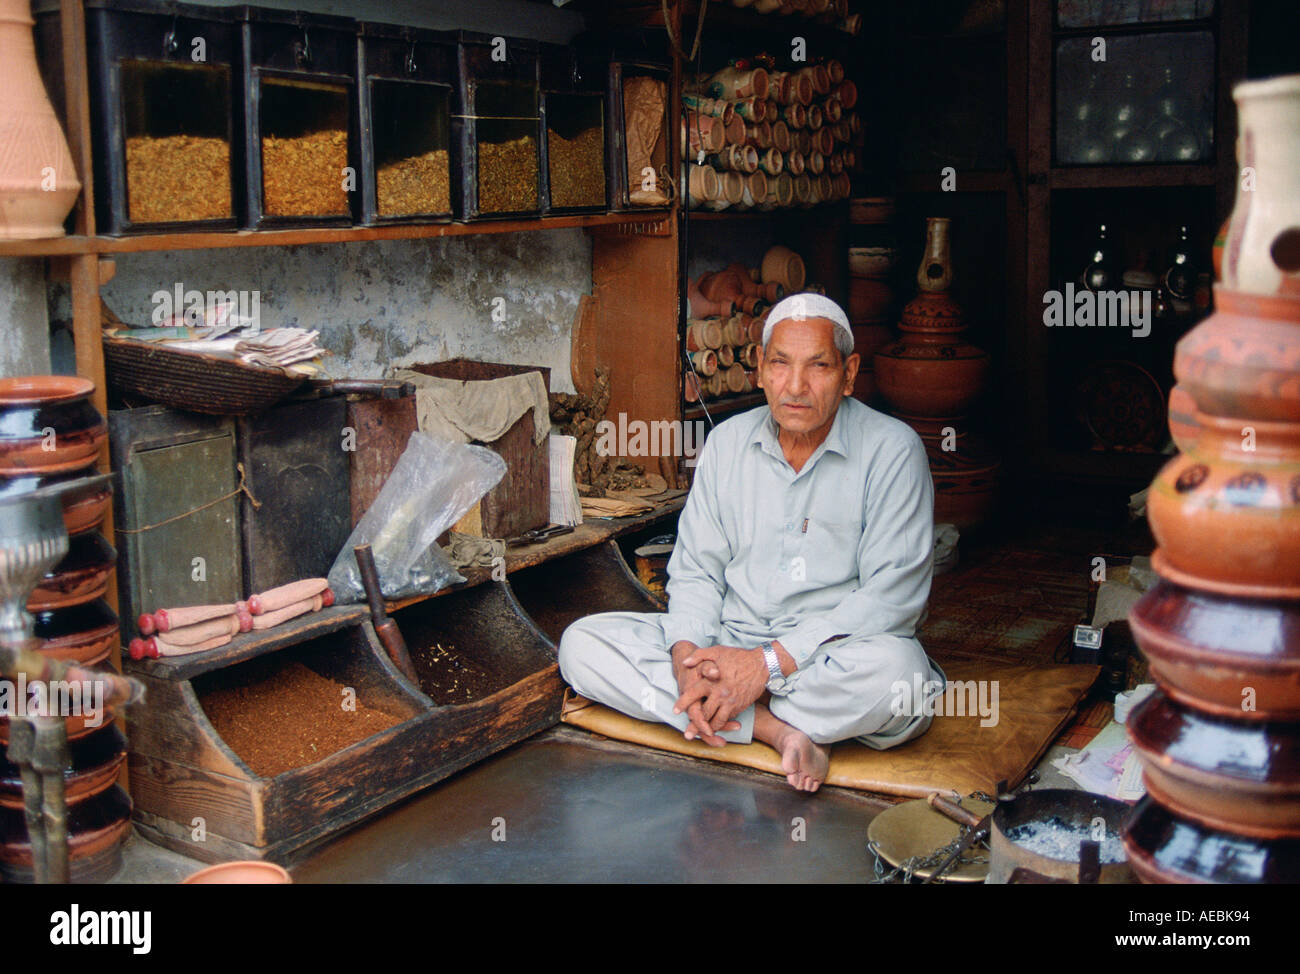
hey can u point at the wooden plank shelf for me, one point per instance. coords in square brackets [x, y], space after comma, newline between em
[78, 245]
[1132, 177]
[724, 407]
[821, 210]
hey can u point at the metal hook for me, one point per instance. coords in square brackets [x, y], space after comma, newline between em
[411, 66]
[302, 50]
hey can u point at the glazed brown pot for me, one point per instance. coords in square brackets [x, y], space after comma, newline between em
[965, 477]
[1231, 775]
[76, 725]
[47, 425]
[96, 759]
[82, 510]
[1244, 360]
[1165, 848]
[96, 828]
[1226, 513]
[78, 633]
[1205, 650]
[82, 575]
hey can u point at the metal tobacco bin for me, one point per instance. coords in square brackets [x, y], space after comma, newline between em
[573, 118]
[407, 94]
[634, 88]
[298, 101]
[161, 80]
[501, 127]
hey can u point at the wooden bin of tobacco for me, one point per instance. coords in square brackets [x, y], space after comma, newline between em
[267, 746]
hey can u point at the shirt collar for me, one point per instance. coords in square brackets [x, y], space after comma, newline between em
[766, 436]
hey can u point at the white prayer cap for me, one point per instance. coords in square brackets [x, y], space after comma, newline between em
[799, 306]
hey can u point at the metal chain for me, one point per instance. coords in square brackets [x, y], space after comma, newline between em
[908, 867]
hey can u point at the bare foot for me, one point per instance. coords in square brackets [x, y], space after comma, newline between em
[804, 762]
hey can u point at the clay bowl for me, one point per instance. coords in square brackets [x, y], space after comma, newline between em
[1204, 649]
[96, 828]
[82, 510]
[76, 724]
[78, 633]
[1230, 775]
[31, 406]
[96, 759]
[82, 575]
[1165, 848]
[871, 209]
[875, 262]
[250, 872]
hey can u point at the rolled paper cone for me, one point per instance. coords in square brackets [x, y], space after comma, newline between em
[161, 647]
[203, 631]
[282, 595]
[706, 362]
[187, 615]
[726, 357]
[781, 136]
[273, 618]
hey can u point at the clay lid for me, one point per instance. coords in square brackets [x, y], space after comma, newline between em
[31, 390]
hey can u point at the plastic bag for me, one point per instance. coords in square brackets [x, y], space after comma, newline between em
[432, 486]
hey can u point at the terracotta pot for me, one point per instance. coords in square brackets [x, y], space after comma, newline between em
[781, 87]
[1244, 360]
[735, 378]
[702, 183]
[874, 262]
[803, 142]
[82, 511]
[733, 83]
[842, 185]
[1216, 250]
[815, 118]
[871, 209]
[931, 371]
[795, 115]
[965, 472]
[702, 334]
[713, 385]
[847, 94]
[47, 425]
[756, 326]
[79, 633]
[1183, 425]
[1163, 847]
[783, 265]
[781, 139]
[716, 107]
[823, 141]
[735, 330]
[803, 190]
[726, 357]
[869, 300]
[82, 575]
[705, 361]
[772, 161]
[1240, 777]
[731, 190]
[1262, 255]
[95, 761]
[1205, 650]
[701, 132]
[96, 829]
[748, 356]
[253, 872]
[759, 135]
[795, 163]
[38, 181]
[1226, 513]
[836, 71]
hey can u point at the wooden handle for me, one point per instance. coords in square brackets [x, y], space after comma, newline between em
[284, 595]
[200, 632]
[276, 616]
[165, 620]
[953, 811]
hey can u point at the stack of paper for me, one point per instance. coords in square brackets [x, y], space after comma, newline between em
[566, 508]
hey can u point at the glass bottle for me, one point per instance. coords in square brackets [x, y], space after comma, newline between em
[1099, 273]
[1179, 280]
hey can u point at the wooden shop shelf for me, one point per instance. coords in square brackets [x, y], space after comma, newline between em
[724, 407]
[1132, 177]
[596, 579]
[77, 245]
[488, 678]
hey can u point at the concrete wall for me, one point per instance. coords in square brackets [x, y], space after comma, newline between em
[24, 327]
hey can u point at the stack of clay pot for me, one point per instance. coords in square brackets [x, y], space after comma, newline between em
[1220, 738]
[49, 433]
[761, 139]
[728, 310]
[871, 298]
[930, 377]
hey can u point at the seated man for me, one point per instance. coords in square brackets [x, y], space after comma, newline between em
[802, 567]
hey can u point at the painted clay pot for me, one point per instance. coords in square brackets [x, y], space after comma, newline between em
[1244, 360]
[38, 181]
[249, 873]
[1163, 847]
[1240, 777]
[731, 190]
[96, 759]
[784, 266]
[1226, 513]
[734, 83]
[964, 471]
[47, 425]
[78, 633]
[1262, 254]
[1216, 250]
[1183, 425]
[96, 829]
[705, 362]
[82, 510]
[1228, 657]
[82, 575]
[726, 357]
[931, 371]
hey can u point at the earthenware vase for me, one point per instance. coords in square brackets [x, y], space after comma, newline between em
[1262, 254]
[931, 371]
[38, 181]
[935, 271]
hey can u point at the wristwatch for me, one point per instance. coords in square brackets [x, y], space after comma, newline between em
[776, 681]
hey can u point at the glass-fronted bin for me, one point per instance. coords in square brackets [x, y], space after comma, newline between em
[501, 131]
[161, 81]
[299, 87]
[636, 118]
[573, 108]
[408, 94]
